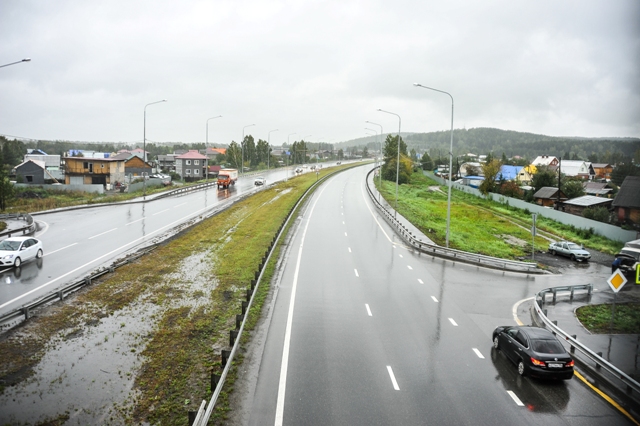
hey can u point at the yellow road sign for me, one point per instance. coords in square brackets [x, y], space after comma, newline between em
[617, 281]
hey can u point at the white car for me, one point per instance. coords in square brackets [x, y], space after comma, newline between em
[14, 251]
[259, 181]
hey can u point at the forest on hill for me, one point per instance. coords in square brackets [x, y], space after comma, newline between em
[511, 143]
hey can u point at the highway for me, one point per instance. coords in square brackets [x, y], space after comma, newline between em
[364, 331]
[77, 242]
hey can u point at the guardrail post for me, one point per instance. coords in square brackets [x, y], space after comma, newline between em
[589, 289]
[25, 311]
[572, 348]
[544, 311]
[554, 296]
[248, 295]
[192, 417]
[555, 322]
[225, 357]
[233, 335]
[215, 378]
[60, 294]
[253, 285]
[239, 319]
[244, 307]
[597, 363]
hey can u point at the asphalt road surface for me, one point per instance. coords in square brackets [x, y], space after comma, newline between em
[364, 331]
[77, 242]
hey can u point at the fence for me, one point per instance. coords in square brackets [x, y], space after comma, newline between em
[610, 231]
[28, 228]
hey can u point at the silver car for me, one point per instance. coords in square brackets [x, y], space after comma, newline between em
[14, 251]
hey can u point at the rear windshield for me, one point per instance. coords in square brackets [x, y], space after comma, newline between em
[547, 347]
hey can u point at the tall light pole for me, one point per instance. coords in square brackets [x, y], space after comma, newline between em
[242, 145]
[144, 148]
[450, 158]
[18, 62]
[269, 146]
[288, 147]
[206, 145]
[381, 133]
[398, 161]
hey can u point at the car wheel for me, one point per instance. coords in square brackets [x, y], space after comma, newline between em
[39, 255]
[573, 257]
[553, 252]
[17, 262]
[521, 368]
[496, 343]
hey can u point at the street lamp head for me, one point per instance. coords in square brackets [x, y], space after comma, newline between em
[417, 84]
[26, 60]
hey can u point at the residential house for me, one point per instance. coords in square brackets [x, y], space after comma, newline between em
[576, 168]
[602, 170]
[577, 205]
[627, 202]
[167, 162]
[525, 175]
[469, 168]
[87, 171]
[548, 196]
[509, 172]
[545, 160]
[30, 171]
[212, 153]
[87, 154]
[191, 165]
[52, 165]
[599, 189]
[133, 164]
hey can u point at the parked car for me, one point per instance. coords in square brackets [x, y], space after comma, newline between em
[259, 181]
[16, 250]
[571, 250]
[535, 351]
[299, 170]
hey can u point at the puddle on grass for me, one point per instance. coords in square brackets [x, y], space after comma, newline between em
[88, 374]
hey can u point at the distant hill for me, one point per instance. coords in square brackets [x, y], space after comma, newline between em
[485, 140]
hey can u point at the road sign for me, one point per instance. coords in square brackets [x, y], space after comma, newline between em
[617, 281]
[637, 273]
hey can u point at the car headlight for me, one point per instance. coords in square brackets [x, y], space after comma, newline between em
[8, 257]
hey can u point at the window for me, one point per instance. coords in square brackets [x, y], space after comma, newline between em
[102, 165]
[29, 178]
[188, 171]
[196, 171]
[521, 339]
[187, 162]
[86, 164]
[196, 162]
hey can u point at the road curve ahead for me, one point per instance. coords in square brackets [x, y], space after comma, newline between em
[365, 332]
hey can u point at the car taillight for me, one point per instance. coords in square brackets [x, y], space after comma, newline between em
[569, 364]
[538, 363]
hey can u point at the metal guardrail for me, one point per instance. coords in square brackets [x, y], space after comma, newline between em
[452, 254]
[541, 299]
[62, 292]
[203, 415]
[29, 228]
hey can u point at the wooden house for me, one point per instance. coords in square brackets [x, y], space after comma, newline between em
[87, 171]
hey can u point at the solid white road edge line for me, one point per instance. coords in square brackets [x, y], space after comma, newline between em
[514, 309]
[393, 378]
[453, 322]
[282, 385]
[106, 232]
[368, 310]
[478, 353]
[515, 398]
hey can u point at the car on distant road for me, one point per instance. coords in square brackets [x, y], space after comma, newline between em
[16, 250]
[259, 181]
[299, 170]
[535, 351]
[571, 250]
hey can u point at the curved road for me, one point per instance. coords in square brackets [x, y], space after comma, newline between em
[364, 331]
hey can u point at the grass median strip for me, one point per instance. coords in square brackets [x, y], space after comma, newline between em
[189, 290]
[597, 318]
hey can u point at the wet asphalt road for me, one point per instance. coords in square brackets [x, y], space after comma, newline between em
[364, 331]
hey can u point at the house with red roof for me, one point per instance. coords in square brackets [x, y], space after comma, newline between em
[191, 165]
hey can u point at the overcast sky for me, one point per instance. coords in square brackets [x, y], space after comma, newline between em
[319, 68]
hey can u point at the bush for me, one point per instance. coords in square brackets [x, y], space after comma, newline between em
[601, 214]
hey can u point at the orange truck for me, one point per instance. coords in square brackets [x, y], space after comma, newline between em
[227, 177]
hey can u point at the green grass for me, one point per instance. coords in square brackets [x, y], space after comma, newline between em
[597, 318]
[480, 225]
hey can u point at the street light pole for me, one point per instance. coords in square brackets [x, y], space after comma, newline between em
[242, 146]
[288, 147]
[269, 146]
[398, 161]
[18, 62]
[450, 158]
[206, 145]
[144, 148]
[381, 133]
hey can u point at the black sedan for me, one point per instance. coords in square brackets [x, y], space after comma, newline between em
[535, 351]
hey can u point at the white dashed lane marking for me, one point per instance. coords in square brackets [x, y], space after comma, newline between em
[453, 322]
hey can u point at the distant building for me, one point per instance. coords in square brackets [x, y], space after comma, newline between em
[579, 169]
[577, 205]
[509, 172]
[599, 189]
[191, 165]
[602, 170]
[545, 160]
[548, 196]
[627, 202]
[133, 164]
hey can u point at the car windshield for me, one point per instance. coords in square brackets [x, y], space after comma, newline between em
[574, 246]
[9, 245]
[548, 347]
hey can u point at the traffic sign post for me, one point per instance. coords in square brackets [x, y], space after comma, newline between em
[616, 281]
[533, 236]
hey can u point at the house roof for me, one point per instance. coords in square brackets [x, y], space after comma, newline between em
[600, 165]
[122, 156]
[543, 160]
[596, 188]
[38, 163]
[629, 193]
[588, 200]
[549, 192]
[216, 151]
[509, 172]
[193, 154]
